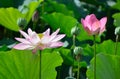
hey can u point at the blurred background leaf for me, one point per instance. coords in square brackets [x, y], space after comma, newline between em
[104, 48]
[53, 6]
[9, 17]
[107, 67]
[59, 20]
[116, 17]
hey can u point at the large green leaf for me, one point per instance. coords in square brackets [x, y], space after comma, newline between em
[116, 6]
[53, 6]
[9, 17]
[116, 17]
[107, 67]
[16, 64]
[104, 48]
[50, 62]
[59, 20]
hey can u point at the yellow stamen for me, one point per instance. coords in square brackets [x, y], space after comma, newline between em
[40, 35]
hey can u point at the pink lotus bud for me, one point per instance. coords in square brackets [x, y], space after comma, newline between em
[92, 25]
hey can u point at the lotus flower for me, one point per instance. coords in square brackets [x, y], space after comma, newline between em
[92, 25]
[34, 41]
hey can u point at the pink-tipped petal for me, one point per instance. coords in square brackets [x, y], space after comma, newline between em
[56, 44]
[83, 23]
[95, 26]
[30, 32]
[58, 37]
[34, 39]
[92, 19]
[88, 31]
[22, 46]
[22, 40]
[45, 39]
[95, 32]
[24, 34]
[87, 18]
[47, 32]
[56, 32]
[103, 23]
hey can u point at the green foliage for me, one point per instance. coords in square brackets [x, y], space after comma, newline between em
[104, 48]
[53, 6]
[31, 8]
[116, 6]
[59, 20]
[116, 17]
[69, 60]
[9, 18]
[63, 14]
[107, 66]
[3, 48]
[17, 64]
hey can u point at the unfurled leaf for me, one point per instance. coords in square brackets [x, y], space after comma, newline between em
[59, 20]
[107, 67]
[104, 48]
[9, 17]
[16, 64]
[57, 7]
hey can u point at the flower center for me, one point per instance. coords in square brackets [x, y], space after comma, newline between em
[40, 45]
[40, 35]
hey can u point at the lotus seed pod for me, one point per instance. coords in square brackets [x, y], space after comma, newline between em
[35, 16]
[75, 30]
[117, 31]
[78, 50]
[22, 22]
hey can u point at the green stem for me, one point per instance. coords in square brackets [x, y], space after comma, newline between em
[73, 46]
[73, 41]
[78, 72]
[116, 44]
[94, 57]
[40, 65]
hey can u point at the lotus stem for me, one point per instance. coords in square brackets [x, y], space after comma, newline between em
[40, 65]
[78, 72]
[94, 57]
[116, 44]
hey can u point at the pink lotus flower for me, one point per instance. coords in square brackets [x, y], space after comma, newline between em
[34, 41]
[92, 25]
